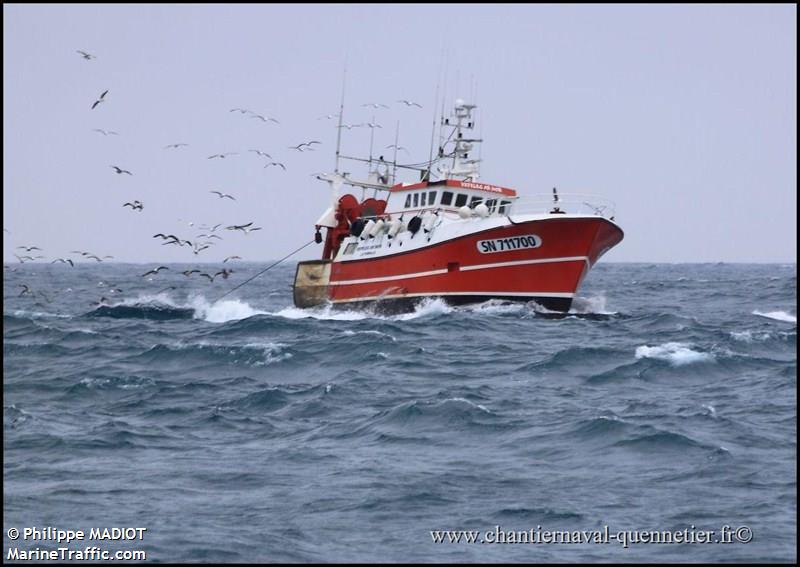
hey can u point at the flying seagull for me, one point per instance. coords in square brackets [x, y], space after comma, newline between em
[65, 260]
[241, 110]
[25, 290]
[106, 132]
[231, 258]
[410, 103]
[155, 271]
[397, 147]
[243, 227]
[135, 206]
[188, 273]
[225, 272]
[350, 126]
[174, 146]
[223, 155]
[265, 118]
[299, 147]
[101, 99]
[29, 248]
[85, 55]
[375, 105]
[259, 152]
[279, 164]
[120, 170]
[328, 116]
[223, 195]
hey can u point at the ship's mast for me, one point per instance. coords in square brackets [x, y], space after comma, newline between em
[461, 166]
[339, 126]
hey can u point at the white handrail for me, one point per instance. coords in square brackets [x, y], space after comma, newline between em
[568, 203]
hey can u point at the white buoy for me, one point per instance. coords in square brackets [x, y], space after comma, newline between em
[377, 227]
[394, 227]
[428, 220]
[464, 212]
[482, 210]
[367, 228]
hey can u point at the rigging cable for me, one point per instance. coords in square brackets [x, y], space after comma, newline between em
[262, 271]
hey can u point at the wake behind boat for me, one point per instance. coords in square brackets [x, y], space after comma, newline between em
[454, 238]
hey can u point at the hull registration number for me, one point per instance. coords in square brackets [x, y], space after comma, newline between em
[510, 243]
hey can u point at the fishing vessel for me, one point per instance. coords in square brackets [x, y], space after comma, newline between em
[449, 235]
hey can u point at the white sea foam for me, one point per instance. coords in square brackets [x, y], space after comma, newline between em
[350, 333]
[778, 316]
[751, 336]
[495, 306]
[222, 311]
[427, 307]
[273, 352]
[21, 313]
[710, 410]
[590, 306]
[327, 312]
[151, 299]
[676, 354]
[466, 401]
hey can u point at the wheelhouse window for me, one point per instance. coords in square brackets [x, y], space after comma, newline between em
[416, 199]
[422, 197]
[491, 204]
[461, 200]
[474, 202]
[408, 200]
[503, 208]
[447, 197]
[431, 198]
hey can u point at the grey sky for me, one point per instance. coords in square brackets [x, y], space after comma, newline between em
[685, 116]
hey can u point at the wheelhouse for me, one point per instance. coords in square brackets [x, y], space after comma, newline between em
[448, 195]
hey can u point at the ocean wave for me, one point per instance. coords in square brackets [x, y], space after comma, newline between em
[761, 336]
[662, 441]
[159, 307]
[778, 316]
[250, 354]
[24, 314]
[222, 311]
[163, 307]
[590, 306]
[379, 334]
[425, 308]
[676, 354]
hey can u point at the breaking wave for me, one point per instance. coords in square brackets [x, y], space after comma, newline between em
[676, 354]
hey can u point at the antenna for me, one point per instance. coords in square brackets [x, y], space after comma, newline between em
[371, 138]
[341, 114]
[433, 132]
[394, 160]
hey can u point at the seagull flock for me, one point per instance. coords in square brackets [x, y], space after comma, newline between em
[204, 240]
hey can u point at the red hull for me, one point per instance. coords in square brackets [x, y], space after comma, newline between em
[457, 271]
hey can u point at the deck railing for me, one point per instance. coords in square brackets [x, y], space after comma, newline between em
[568, 203]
